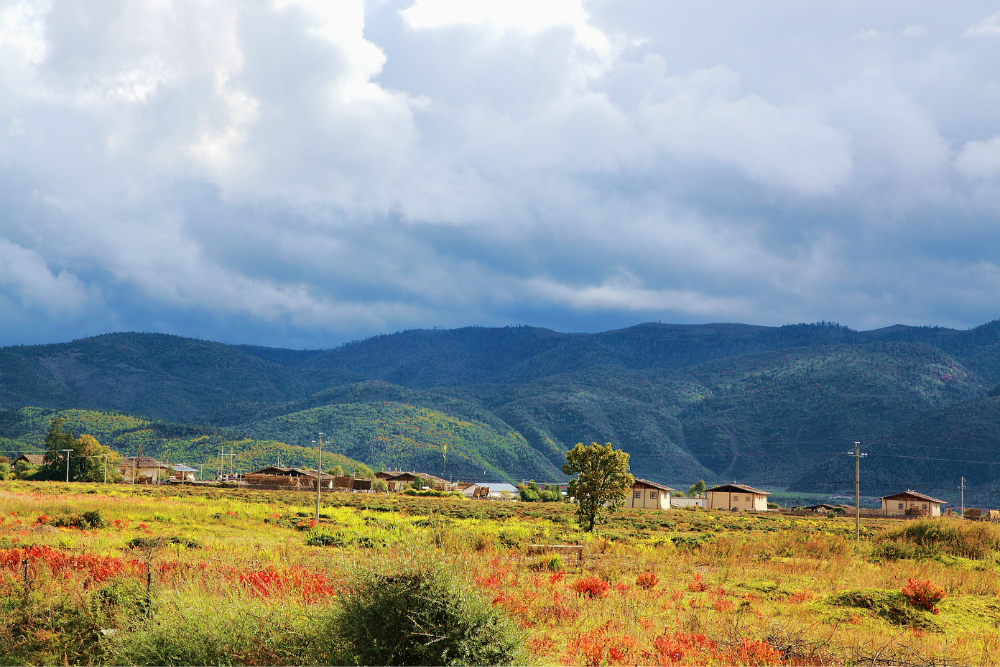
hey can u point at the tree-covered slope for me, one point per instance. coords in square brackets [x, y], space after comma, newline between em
[168, 377]
[931, 453]
[389, 434]
[24, 429]
[716, 401]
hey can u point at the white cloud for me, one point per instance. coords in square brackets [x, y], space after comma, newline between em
[527, 16]
[988, 26]
[793, 148]
[866, 36]
[312, 166]
[25, 274]
[979, 159]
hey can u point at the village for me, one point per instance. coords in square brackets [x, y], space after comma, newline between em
[644, 494]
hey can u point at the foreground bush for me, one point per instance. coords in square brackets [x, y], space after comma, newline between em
[201, 631]
[421, 616]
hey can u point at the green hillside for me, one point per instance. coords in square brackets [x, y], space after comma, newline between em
[768, 405]
[931, 453]
[24, 429]
[400, 436]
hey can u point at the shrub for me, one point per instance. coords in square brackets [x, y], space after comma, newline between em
[697, 585]
[550, 563]
[204, 632]
[322, 538]
[591, 587]
[923, 594]
[646, 580]
[421, 616]
[890, 605]
[929, 538]
[85, 521]
[151, 543]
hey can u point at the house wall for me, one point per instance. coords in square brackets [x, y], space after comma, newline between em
[740, 500]
[689, 502]
[156, 474]
[642, 497]
[896, 507]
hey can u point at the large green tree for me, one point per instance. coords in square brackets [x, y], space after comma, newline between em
[602, 480]
[87, 457]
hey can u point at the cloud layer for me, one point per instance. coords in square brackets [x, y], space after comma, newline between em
[302, 173]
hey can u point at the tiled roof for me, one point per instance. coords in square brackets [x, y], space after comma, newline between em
[144, 462]
[646, 482]
[914, 495]
[742, 488]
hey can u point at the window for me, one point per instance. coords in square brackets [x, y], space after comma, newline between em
[900, 505]
[749, 499]
[638, 494]
[925, 505]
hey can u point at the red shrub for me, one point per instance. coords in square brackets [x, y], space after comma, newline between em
[591, 587]
[557, 577]
[923, 594]
[697, 585]
[646, 580]
[752, 652]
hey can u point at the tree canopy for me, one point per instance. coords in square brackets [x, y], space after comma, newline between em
[88, 459]
[602, 480]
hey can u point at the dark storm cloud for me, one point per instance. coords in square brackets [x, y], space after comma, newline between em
[301, 173]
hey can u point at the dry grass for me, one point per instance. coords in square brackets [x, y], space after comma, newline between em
[748, 590]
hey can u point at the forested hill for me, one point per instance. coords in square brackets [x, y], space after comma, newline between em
[767, 405]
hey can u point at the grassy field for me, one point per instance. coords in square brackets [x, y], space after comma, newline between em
[141, 575]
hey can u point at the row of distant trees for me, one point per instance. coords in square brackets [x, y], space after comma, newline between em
[88, 461]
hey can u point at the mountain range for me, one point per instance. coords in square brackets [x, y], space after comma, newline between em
[769, 406]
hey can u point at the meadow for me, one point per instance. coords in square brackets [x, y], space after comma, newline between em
[95, 574]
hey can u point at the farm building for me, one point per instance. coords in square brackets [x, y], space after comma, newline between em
[911, 502]
[183, 473]
[649, 495]
[146, 469]
[397, 479]
[287, 478]
[736, 497]
[31, 459]
[492, 491]
[700, 501]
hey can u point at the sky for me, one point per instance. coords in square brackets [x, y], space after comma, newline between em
[303, 173]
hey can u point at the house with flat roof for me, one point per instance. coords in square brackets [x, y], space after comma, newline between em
[911, 502]
[736, 497]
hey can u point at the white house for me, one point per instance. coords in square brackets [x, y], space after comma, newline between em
[649, 495]
[736, 497]
[701, 501]
[493, 491]
[146, 469]
[909, 502]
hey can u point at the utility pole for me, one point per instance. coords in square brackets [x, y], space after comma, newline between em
[222, 457]
[319, 472]
[105, 468]
[857, 489]
[67, 464]
[963, 497]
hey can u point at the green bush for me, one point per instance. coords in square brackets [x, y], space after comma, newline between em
[85, 521]
[323, 538]
[243, 631]
[890, 605]
[421, 616]
[150, 543]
